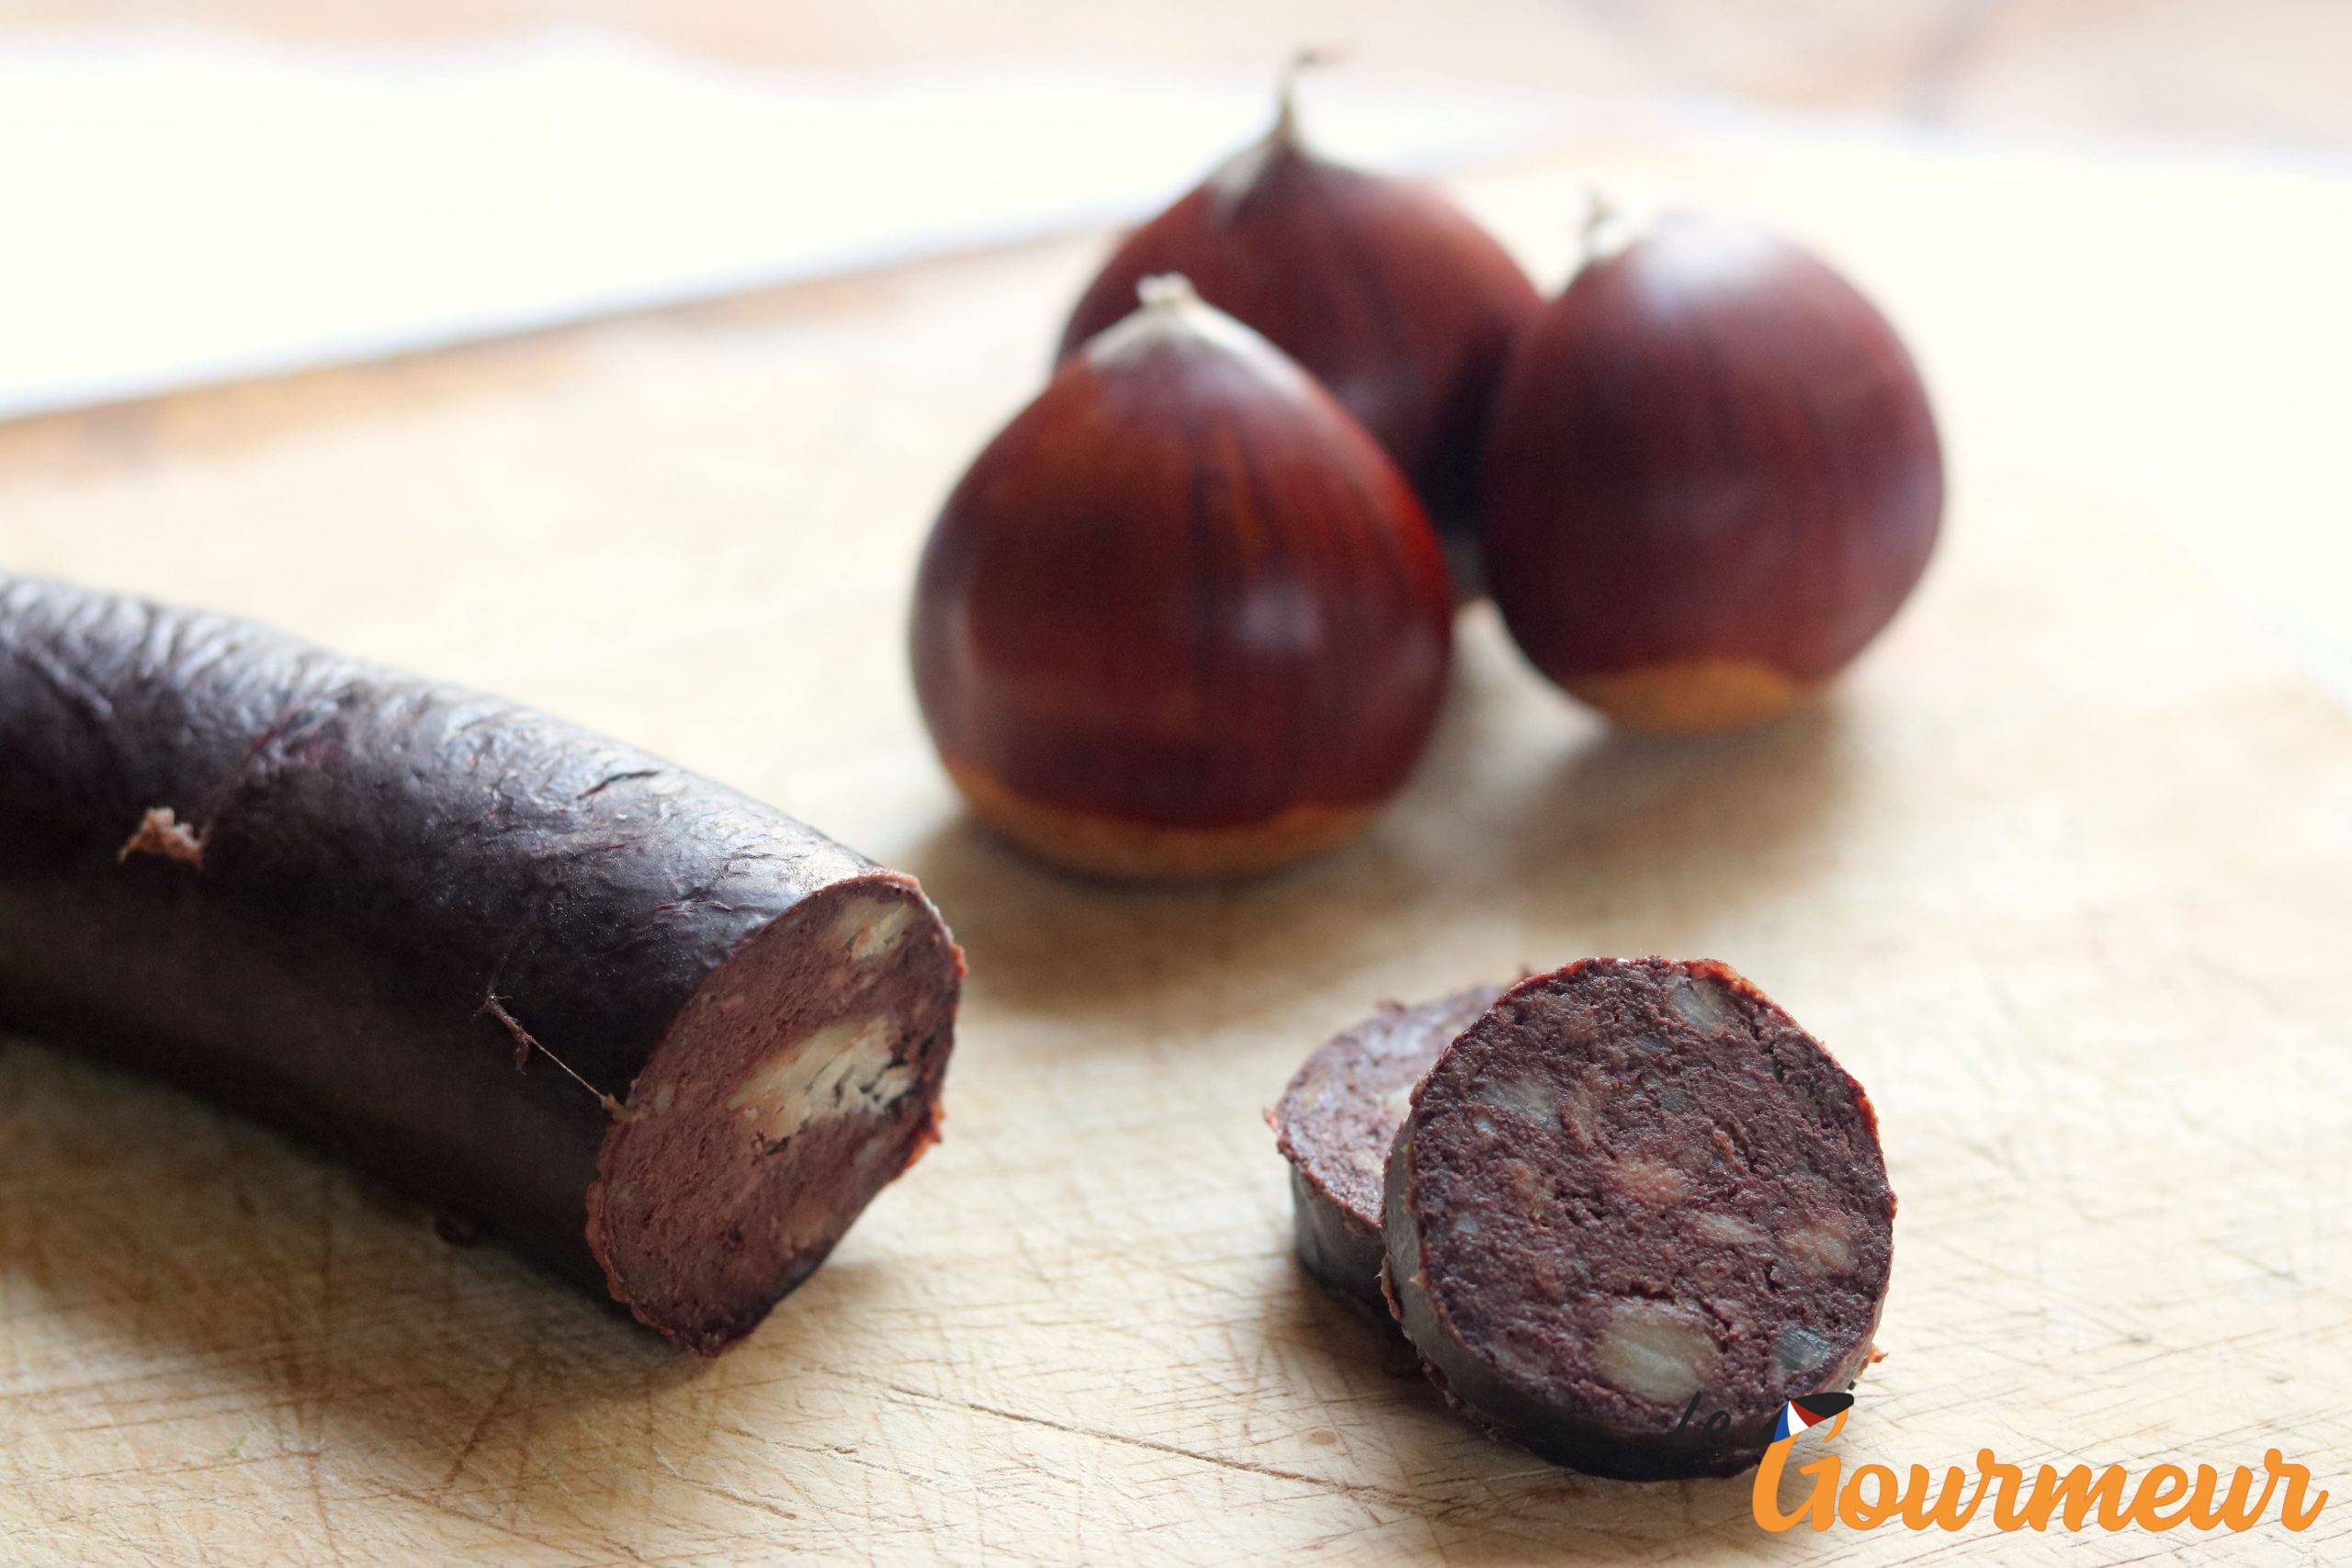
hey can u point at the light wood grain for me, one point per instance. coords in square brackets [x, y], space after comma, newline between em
[2060, 874]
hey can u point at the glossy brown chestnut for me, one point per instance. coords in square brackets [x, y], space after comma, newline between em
[1713, 478]
[1182, 616]
[1392, 295]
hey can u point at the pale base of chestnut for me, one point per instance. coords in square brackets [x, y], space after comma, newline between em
[1144, 852]
[1693, 696]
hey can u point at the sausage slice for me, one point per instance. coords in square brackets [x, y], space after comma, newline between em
[655, 1034]
[1632, 1197]
[1336, 1123]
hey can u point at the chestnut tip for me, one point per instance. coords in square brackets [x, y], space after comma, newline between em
[1168, 308]
[1305, 58]
[1165, 290]
[1610, 228]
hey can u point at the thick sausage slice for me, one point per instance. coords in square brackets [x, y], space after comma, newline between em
[1336, 1123]
[654, 1033]
[1632, 1197]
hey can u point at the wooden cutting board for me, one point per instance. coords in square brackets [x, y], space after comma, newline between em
[2060, 874]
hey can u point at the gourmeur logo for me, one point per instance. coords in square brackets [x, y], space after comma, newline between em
[2166, 1496]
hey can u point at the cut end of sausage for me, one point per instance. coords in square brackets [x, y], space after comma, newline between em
[798, 1081]
[1336, 1121]
[1631, 1186]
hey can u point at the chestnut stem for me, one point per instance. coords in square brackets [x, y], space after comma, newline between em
[1598, 213]
[1171, 307]
[1166, 290]
[1608, 228]
[1285, 129]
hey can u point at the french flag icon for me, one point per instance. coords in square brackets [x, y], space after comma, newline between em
[1799, 1414]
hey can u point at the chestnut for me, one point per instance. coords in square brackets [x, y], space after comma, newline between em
[1713, 478]
[1393, 297]
[1182, 616]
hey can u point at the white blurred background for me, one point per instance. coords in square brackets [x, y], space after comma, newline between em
[211, 190]
[2266, 72]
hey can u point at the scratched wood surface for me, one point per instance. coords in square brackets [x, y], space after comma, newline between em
[2060, 874]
